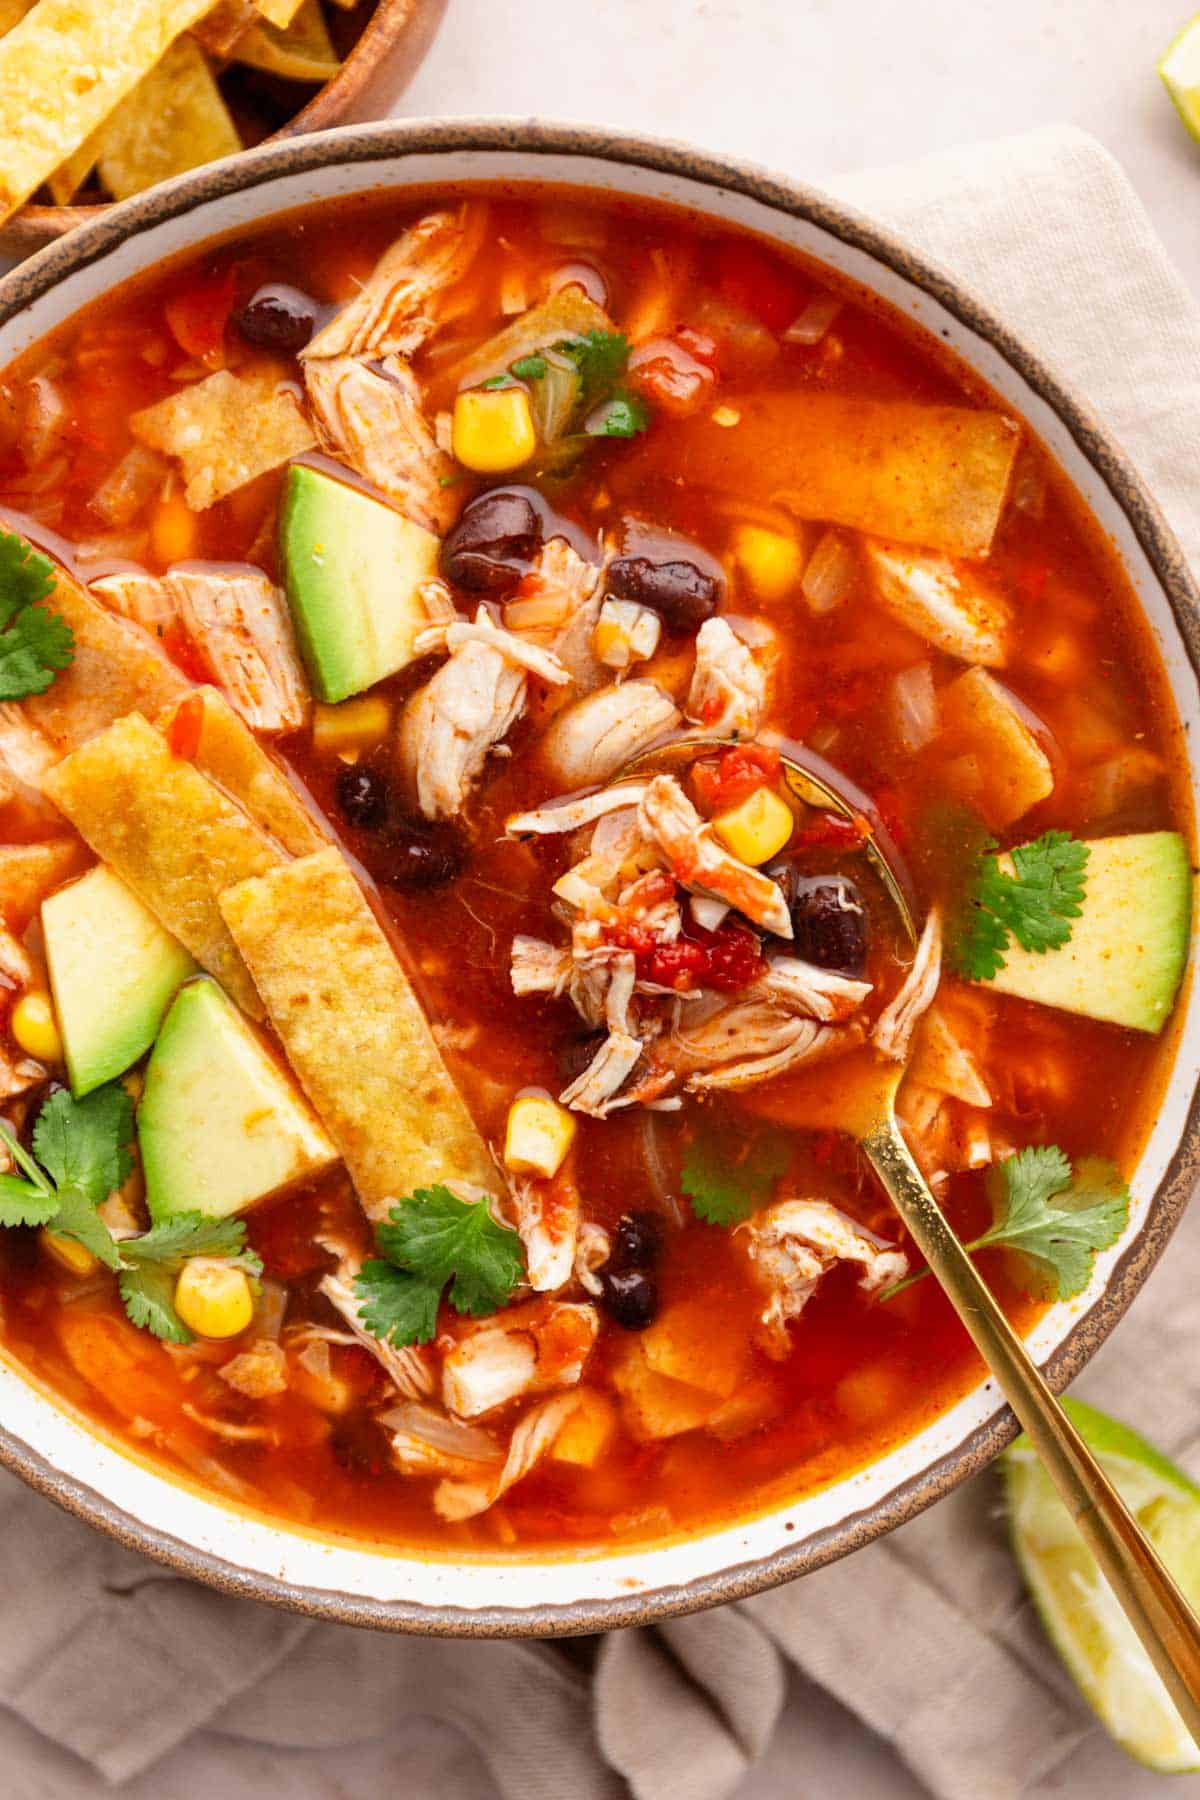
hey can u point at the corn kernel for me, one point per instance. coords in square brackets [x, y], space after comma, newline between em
[539, 1134]
[212, 1298]
[493, 429]
[35, 1028]
[354, 725]
[174, 531]
[772, 561]
[625, 633]
[727, 416]
[588, 1432]
[74, 1257]
[757, 828]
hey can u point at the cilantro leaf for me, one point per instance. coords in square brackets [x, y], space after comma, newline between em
[1037, 904]
[399, 1307]
[621, 417]
[1056, 1219]
[726, 1186]
[34, 645]
[21, 1203]
[600, 357]
[443, 1239]
[85, 1144]
[148, 1293]
[497, 381]
[76, 1216]
[530, 368]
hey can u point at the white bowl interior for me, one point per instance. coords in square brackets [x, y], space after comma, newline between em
[270, 1549]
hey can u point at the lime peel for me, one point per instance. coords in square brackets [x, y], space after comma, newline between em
[1080, 1614]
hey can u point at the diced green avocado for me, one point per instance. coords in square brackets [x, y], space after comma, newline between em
[1127, 949]
[353, 570]
[220, 1124]
[113, 971]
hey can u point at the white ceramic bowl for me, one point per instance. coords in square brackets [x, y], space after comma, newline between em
[544, 1594]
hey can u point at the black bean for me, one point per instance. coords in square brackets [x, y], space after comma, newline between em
[496, 537]
[574, 1054]
[278, 317]
[363, 796]
[629, 1297]
[636, 1241]
[829, 923]
[416, 856]
[681, 594]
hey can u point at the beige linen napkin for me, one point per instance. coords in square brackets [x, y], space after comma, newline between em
[915, 1666]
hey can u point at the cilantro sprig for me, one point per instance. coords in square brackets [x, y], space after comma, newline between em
[606, 407]
[1037, 904]
[34, 644]
[434, 1241]
[726, 1184]
[84, 1152]
[1054, 1217]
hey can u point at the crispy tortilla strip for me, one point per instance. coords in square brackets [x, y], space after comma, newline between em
[354, 1030]
[304, 52]
[29, 872]
[932, 475]
[11, 13]
[118, 669]
[279, 13]
[175, 119]
[230, 754]
[63, 69]
[70, 176]
[171, 834]
[219, 30]
[225, 430]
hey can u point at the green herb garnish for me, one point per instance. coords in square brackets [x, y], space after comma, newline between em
[431, 1240]
[497, 381]
[34, 645]
[600, 357]
[1056, 1219]
[1036, 904]
[621, 417]
[725, 1185]
[84, 1153]
[530, 368]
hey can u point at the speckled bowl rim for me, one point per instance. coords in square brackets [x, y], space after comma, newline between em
[384, 142]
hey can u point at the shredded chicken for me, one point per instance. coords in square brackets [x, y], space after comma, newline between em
[239, 621]
[728, 695]
[425, 1442]
[805, 988]
[551, 821]
[946, 603]
[533, 1437]
[524, 1351]
[539, 968]
[794, 1242]
[454, 634]
[897, 1022]
[407, 1368]
[702, 865]
[451, 724]
[590, 740]
[547, 1215]
[374, 420]
[397, 310]
[257, 1372]
[593, 1091]
[557, 606]
[142, 599]
[738, 1045]
[592, 1251]
[26, 754]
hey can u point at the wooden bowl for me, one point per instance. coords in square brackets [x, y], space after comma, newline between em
[398, 34]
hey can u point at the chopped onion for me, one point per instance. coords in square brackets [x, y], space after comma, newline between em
[128, 486]
[831, 572]
[514, 291]
[665, 1185]
[913, 708]
[449, 1437]
[1029, 486]
[270, 1308]
[580, 275]
[47, 420]
[814, 321]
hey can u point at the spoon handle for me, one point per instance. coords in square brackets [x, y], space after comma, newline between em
[1165, 1623]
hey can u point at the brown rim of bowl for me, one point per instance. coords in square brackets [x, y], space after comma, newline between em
[398, 31]
[369, 143]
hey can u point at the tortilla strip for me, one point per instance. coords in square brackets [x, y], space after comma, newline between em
[175, 119]
[11, 13]
[304, 52]
[229, 754]
[219, 30]
[279, 13]
[354, 1031]
[63, 68]
[29, 872]
[225, 430]
[117, 669]
[70, 175]
[932, 475]
[170, 834]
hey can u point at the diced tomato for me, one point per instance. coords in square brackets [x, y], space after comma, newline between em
[199, 314]
[670, 376]
[183, 733]
[700, 345]
[893, 816]
[752, 279]
[830, 831]
[732, 777]
[726, 959]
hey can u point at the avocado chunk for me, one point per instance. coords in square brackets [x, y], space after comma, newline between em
[1125, 956]
[220, 1125]
[113, 972]
[353, 570]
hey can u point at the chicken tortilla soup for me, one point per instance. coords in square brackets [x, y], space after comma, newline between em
[419, 938]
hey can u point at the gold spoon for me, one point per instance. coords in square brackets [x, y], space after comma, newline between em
[1168, 1628]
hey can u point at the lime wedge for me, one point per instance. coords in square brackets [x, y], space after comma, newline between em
[1180, 70]
[1082, 1618]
